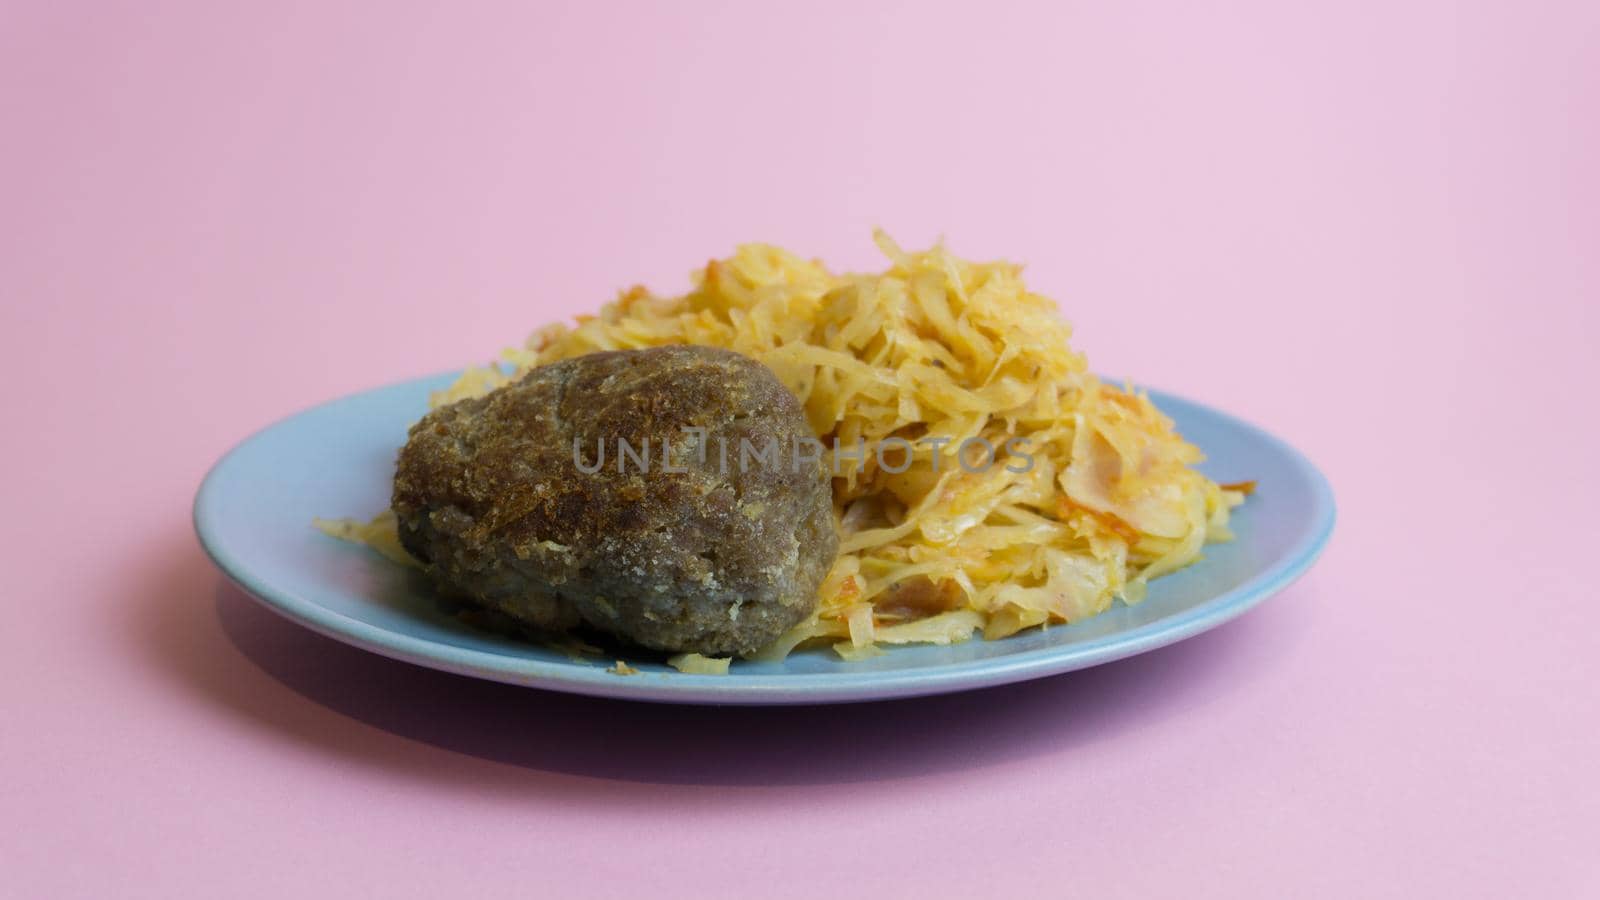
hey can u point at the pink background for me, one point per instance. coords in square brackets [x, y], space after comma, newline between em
[1371, 227]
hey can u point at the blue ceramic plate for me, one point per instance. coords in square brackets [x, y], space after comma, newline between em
[254, 512]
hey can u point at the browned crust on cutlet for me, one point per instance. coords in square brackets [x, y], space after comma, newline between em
[490, 498]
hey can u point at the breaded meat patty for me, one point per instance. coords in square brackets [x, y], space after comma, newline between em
[637, 493]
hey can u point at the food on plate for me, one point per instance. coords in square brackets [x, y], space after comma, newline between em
[981, 479]
[695, 664]
[591, 492]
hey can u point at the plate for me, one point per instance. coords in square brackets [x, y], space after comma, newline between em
[253, 516]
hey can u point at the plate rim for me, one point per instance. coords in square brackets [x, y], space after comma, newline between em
[799, 688]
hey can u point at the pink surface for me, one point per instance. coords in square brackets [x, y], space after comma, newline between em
[1370, 227]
